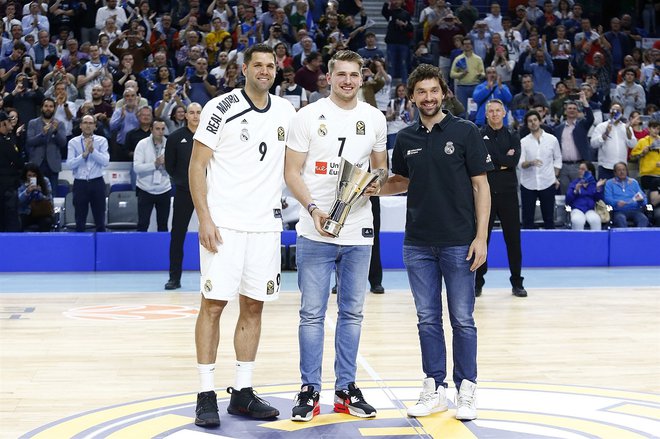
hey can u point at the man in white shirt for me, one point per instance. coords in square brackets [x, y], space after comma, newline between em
[613, 138]
[321, 135]
[110, 10]
[35, 22]
[153, 182]
[540, 163]
[494, 19]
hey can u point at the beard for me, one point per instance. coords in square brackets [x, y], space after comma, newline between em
[429, 113]
[47, 114]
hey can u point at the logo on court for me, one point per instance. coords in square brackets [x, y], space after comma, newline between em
[506, 411]
[131, 312]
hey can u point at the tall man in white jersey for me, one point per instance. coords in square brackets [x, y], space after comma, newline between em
[321, 134]
[236, 180]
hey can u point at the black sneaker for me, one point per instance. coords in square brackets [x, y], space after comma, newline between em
[477, 291]
[307, 404]
[172, 284]
[245, 402]
[206, 412]
[352, 402]
[519, 291]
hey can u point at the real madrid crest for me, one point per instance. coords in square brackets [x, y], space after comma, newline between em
[280, 134]
[359, 128]
[208, 286]
[449, 148]
[270, 287]
[245, 136]
[323, 130]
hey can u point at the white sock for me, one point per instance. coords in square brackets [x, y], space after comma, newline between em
[244, 374]
[206, 376]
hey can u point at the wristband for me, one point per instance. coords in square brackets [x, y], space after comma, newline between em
[311, 207]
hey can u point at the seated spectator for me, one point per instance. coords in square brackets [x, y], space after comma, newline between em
[491, 88]
[323, 90]
[582, 195]
[421, 55]
[637, 125]
[630, 94]
[12, 65]
[173, 96]
[647, 152]
[306, 47]
[626, 198]
[43, 49]
[654, 199]
[35, 199]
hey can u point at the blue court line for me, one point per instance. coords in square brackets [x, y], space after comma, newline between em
[393, 280]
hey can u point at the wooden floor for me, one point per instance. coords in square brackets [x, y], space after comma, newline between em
[54, 365]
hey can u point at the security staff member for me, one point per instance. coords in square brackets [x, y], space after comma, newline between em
[178, 150]
[11, 163]
[504, 148]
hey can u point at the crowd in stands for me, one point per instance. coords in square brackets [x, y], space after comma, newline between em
[594, 87]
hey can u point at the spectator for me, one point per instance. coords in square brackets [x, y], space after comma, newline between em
[521, 23]
[466, 70]
[173, 96]
[582, 195]
[12, 65]
[201, 87]
[123, 120]
[128, 72]
[42, 50]
[35, 21]
[231, 79]
[163, 79]
[511, 39]
[143, 130]
[291, 91]
[307, 74]
[110, 10]
[26, 98]
[621, 44]
[107, 57]
[503, 65]
[441, 44]
[533, 12]
[647, 152]
[153, 183]
[630, 94]
[109, 96]
[548, 22]
[540, 163]
[165, 36]
[223, 61]
[494, 19]
[613, 139]
[526, 99]
[86, 20]
[371, 84]
[176, 119]
[64, 109]
[421, 55]
[282, 57]
[654, 199]
[46, 139]
[92, 73]
[467, 14]
[87, 157]
[639, 130]
[306, 46]
[383, 95]
[101, 110]
[491, 88]
[573, 140]
[72, 56]
[396, 38]
[371, 50]
[558, 103]
[400, 113]
[481, 39]
[561, 50]
[35, 200]
[11, 163]
[626, 198]
[541, 69]
[323, 90]
[298, 47]
[138, 47]
[629, 63]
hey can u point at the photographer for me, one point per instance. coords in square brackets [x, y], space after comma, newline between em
[12, 65]
[612, 138]
[35, 199]
[291, 91]
[25, 98]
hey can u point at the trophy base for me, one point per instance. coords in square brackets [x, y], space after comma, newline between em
[332, 227]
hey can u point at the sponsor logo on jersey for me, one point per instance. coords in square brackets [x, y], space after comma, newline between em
[321, 168]
[368, 232]
[449, 148]
[208, 286]
[323, 130]
[413, 151]
[280, 134]
[277, 213]
[359, 128]
[245, 135]
[270, 287]
[214, 124]
[225, 104]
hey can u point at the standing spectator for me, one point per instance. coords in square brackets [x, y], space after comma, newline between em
[12, 65]
[630, 94]
[46, 139]
[92, 73]
[467, 14]
[626, 198]
[370, 50]
[164, 36]
[613, 138]
[323, 90]
[621, 44]
[540, 161]
[318, 253]
[87, 157]
[307, 74]
[11, 163]
[138, 47]
[441, 41]
[396, 38]
[503, 65]
[178, 150]
[572, 135]
[541, 70]
[124, 120]
[466, 70]
[34, 21]
[399, 114]
[110, 10]
[86, 20]
[35, 188]
[582, 195]
[26, 98]
[561, 50]
[128, 72]
[64, 109]
[153, 183]
[491, 88]
[446, 186]
[647, 152]
[142, 131]
[494, 19]
[527, 99]
[504, 148]
[291, 91]
[202, 87]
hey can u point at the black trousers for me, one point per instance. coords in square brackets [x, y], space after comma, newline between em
[505, 207]
[376, 267]
[528, 202]
[183, 210]
[9, 219]
[86, 193]
[146, 203]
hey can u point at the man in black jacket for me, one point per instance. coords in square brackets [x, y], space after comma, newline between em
[11, 163]
[397, 39]
[177, 158]
[504, 149]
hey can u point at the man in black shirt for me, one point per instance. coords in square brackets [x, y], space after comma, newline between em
[442, 162]
[11, 164]
[178, 150]
[504, 148]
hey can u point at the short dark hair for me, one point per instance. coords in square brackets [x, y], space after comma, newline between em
[654, 123]
[257, 48]
[532, 113]
[423, 72]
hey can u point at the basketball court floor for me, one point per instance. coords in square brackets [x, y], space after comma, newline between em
[111, 355]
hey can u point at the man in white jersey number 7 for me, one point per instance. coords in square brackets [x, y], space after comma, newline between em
[321, 135]
[236, 180]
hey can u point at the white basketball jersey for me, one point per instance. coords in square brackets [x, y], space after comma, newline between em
[327, 133]
[245, 176]
[90, 69]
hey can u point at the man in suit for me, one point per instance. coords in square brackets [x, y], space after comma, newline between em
[573, 139]
[46, 139]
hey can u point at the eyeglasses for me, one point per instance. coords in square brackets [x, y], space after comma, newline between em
[12, 118]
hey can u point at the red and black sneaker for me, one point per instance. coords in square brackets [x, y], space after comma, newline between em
[352, 402]
[307, 404]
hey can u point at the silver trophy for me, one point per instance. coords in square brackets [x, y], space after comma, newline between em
[351, 184]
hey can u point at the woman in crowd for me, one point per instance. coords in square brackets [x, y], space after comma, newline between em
[176, 120]
[230, 80]
[35, 199]
[400, 113]
[582, 195]
[160, 84]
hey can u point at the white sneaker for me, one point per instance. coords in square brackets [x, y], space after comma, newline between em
[431, 400]
[466, 401]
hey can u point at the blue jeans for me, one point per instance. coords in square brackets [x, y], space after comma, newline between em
[426, 267]
[397, 61]
[620, 218]
[463, 92]
[316, 261]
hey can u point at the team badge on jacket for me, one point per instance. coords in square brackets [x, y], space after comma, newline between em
[449, 148]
